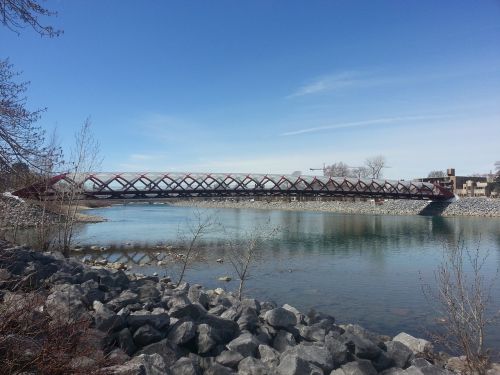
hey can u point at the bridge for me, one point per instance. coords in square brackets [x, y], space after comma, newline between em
[188, 185]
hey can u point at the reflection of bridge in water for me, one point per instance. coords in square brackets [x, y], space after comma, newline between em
[188, 185]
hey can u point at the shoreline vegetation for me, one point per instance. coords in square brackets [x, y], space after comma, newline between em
[134, 324]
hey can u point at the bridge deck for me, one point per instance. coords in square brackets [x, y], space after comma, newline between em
[178, 185]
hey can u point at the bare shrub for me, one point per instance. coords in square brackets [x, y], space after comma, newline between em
[243, 252]
[463, 297]
[195, 230]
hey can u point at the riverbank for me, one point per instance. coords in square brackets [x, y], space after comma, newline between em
[124, 323]
[18, 213]
[481, 207]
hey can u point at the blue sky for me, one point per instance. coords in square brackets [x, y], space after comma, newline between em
[271, 86]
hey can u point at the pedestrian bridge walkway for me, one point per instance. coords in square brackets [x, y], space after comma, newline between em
[128, 185]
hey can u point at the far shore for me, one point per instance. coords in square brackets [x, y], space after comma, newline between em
[478, 207]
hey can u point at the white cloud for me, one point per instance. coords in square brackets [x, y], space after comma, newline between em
[354, 124]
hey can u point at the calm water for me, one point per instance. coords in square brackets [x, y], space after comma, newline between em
[360, 268]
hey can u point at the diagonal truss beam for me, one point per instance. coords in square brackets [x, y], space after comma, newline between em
[186, 185]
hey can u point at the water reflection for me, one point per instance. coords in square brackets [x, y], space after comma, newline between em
[360, 268]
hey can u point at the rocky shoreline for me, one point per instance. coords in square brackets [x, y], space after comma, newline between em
[149, 325]
[480, 207]
[18, 213]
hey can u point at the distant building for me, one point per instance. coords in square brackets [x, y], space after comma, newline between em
[466, 186]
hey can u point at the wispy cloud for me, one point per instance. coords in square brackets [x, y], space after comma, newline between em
[337, 81]
[354, 124]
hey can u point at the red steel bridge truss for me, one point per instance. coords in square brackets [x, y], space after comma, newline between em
[188, 185]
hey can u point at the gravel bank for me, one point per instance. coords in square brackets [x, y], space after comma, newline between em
[149, 326]
[484, 207]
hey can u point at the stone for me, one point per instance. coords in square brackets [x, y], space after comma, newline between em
[105, 319]
[400, 353]
[269, 356]
[168, 351]
[205, 338]
[146, 335]
[158, 319]
[248, 320]
[250, 303]
[117, 355]
[416, 345]
[393, 371]
[182, 332]
[283, 340]
[218, 369]
[125, 341]
[224, 330]
[125, 298]
[363, 347]
[246, 344]
[141, 365]
[338, 349]
[315, 354]
[217, 310]
[294, 365]
[193, 311]
[65, 303]
[185, 366]
[359, 367]
[91, 292]
[422, 367]
[312, 333]
[382, 362]
[197, 295]
[298, 315]
[280, 318]
[252, 366]
[229, 358]
[232, 314]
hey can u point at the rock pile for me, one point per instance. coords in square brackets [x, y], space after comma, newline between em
[462, 207]
[150, 326]
[15, 212]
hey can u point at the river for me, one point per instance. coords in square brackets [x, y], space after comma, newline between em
[360, 268]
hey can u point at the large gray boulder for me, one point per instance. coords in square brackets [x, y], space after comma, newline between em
[294, 365]
[269, 356]
[65, 303]
[224, 330]
[280, 318]
[400, 353]
[141, 365]
[229, 358]
[218, 369]
[246, 344]
[185, 366]
[206, 338]
[105, 319]
[416, 345]
[359, 367]
[252, 366]
[312, 333]
[182, 332]
[283, 340]
[125, 298]
[363, 347]
[158, 318]
[193, 311]
[315, 354]
[338, 349]
[168, 351]
[197, 295]
[146, 335]
[125, 341]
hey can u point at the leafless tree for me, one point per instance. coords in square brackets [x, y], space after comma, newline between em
[197, 228]
[375, 165]
[436, 174]
[242, 253]
[84, 159]
[17, 14]
[21, 141]
[360, 172]
[339, 169]
[462, 297]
